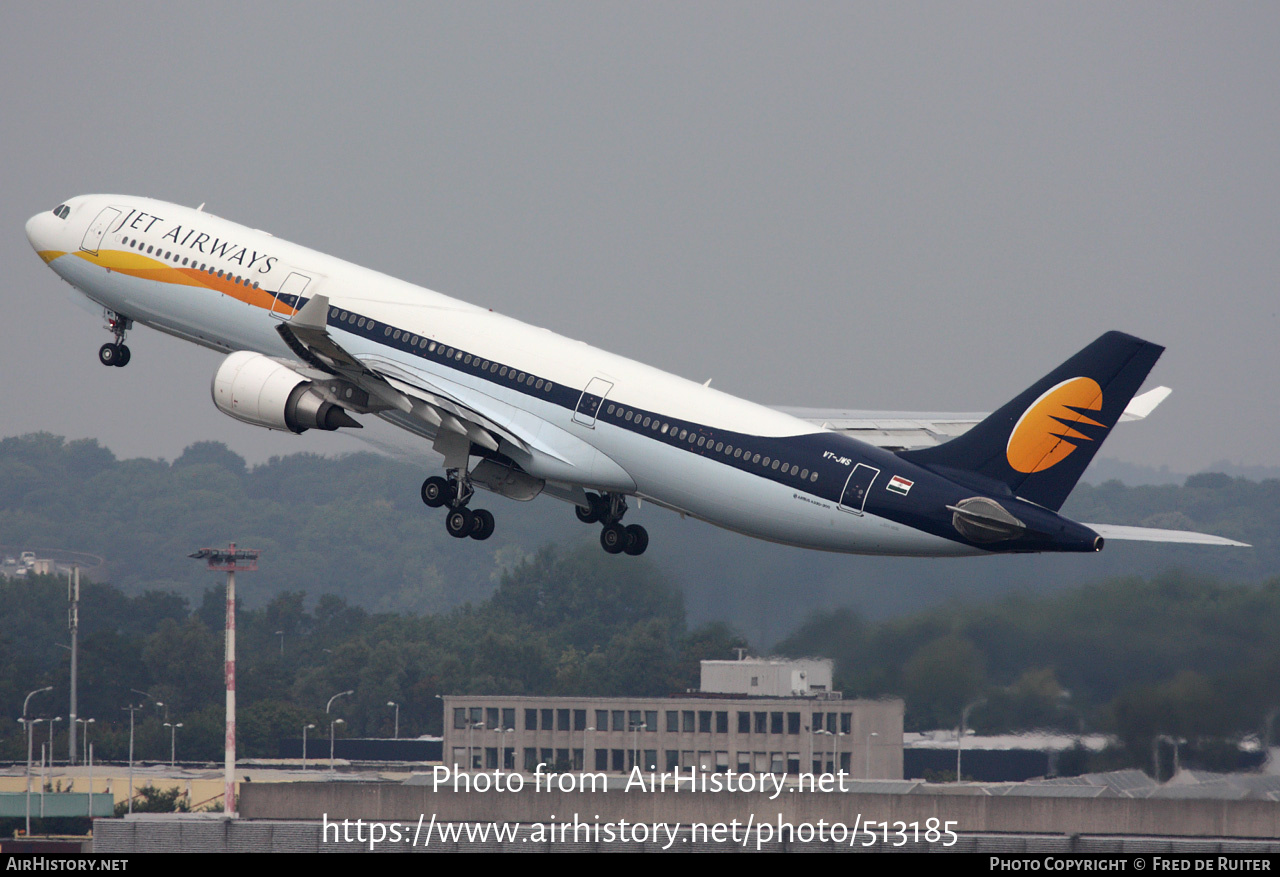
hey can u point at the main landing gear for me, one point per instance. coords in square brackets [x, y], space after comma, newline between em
[455, 492]
[116, 353]
[608, 509]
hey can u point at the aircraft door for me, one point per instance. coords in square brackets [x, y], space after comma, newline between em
[289, 296]
[591, 400]
[93, 237]
[857, 488]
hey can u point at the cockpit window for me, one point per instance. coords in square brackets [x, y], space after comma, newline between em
[62, 211]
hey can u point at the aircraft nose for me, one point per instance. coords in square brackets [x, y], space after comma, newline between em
[33, 230]
[41, 231]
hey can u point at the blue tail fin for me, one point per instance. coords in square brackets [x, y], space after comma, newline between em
[1039, 444]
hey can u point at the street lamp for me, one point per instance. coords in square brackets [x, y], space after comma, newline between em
[173, 730]
[280, 633]
[51, 721]
[131, 710]
[501, 762]
[870, 737]
[397, 706]
[32, 694]
[335, 697]
[471, 726]
[964, 721]
[636, 728]
[304, 744]
[29, 724]
[86, 723]
[825, 733]
[331, 725]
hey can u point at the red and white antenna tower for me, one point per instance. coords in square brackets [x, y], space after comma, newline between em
[230, 560]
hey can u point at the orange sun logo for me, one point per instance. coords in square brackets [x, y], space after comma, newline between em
[1044, 436]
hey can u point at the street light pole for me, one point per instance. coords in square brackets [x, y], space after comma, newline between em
[229, 560]
[173, 730]
[870, 737]
[304, 744]
[397, 706]
[30, 726]
[331, 725]
[132, 710]
[964, 720]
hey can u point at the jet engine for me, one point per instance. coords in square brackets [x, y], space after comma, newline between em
[256, 389]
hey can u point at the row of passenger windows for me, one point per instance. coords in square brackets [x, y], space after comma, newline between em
[449, 353]
[677, 721]
[173, 257]
[624, 414]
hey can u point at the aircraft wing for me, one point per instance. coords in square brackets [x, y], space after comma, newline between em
[1150, 534]
[401, 397]
[911, 430]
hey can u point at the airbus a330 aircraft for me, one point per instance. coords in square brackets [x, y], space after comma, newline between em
[312, 340]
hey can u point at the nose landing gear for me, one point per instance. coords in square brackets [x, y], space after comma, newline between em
[116, 353]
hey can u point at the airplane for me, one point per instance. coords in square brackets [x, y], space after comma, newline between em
[312, 342]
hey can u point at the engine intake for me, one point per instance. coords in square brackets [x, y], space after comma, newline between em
[256, 389]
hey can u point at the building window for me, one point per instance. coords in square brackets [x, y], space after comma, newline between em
[619, 721]
[775, 723]
[651, 721]
[508, 719]
[602, 759]
[562, 720]
[793, 723]
[548, 720]
[673, 721]
[491, 718]
[579, 720]
[846, 723]
[531, 720]
[618, 759]
[459, 717]
[744, 723]
[762, 723]
[704, 721]
[602, 720]
[688, 721]
[672, 759]
[530, 758]
[634, 721]
[722, 723]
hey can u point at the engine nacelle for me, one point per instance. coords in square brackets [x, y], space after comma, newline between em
[256, 389]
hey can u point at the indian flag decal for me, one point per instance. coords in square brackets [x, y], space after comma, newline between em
[899, 485]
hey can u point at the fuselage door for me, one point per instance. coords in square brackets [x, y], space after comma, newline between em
[289, 297]
[591, 400]
[93, 237]
[857, 488]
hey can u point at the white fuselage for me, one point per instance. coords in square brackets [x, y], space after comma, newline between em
[228, 287]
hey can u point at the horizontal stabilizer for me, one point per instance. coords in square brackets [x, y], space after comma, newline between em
[1150, 534]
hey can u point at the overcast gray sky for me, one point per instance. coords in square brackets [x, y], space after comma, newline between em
[885, 205]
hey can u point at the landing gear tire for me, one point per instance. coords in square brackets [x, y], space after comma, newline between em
[587, 515]
[109, 354]
[435, 491]
[122, 356]
[613, 538]
[637, 540]
[460, 522]
[483, 525]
